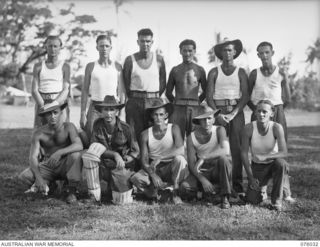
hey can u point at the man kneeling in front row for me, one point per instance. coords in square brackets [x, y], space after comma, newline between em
[268, 148]
[161, 154]
[54, 153]
[208, 148]
[112, 155]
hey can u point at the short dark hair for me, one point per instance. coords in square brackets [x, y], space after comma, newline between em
[188, 42]
[53, 37]
[267, 102]
[145, 32]
[265, 43]
[103, 36]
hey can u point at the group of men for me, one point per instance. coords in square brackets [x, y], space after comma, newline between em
[147, 151]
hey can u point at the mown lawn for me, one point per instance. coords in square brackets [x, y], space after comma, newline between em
[32, 217]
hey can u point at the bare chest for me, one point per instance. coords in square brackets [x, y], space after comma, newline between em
[54, 141]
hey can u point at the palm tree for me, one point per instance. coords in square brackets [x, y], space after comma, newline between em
[313, 52]
[313, 59]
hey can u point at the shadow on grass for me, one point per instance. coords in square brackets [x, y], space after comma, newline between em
[34, 217]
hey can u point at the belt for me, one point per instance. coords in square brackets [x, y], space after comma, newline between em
[49, 96]
[144, 94]
[193, 102]
[226, 102]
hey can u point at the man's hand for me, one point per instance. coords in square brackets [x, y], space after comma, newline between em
[41, 185]
[156, 180]
[222, 120]
[207, 186]
[229, 117]
[254, 184]
[119, 161]
[127, 158]
[54, 159]
[83, 120]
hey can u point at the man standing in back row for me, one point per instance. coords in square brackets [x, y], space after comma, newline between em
[227, 90]
[186, 78]
[51, 80]
[144, 77]
[269, 82]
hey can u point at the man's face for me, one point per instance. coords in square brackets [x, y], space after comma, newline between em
[264, 113]
[104, 48]
[109, 114]
[206, 123]
[145, 42]
[159, 116]
[228, 52]
[187, 52]
[265, 53]
[53, 117]
[53, 47]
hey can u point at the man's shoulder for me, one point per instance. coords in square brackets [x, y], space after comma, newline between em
[38, 132]
[37, 66]
[90, 65]
[254, 72]
[128, 60]
[214, 70]
[159, 57]
[69, 125]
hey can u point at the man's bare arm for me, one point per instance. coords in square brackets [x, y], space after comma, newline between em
[135, 150]
[62, 97]
[35, 153]
[127, 70]
[246, 135]
[170, 85]
[194, 165]
[212, 76]
[144, 153]
[203, 84]
[35, 84]
[244, 95]
[251, 83]
[85, 93]
[285, 89]
[162, 75]
[121, 91]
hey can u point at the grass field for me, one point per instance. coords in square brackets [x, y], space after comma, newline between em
[32, 217]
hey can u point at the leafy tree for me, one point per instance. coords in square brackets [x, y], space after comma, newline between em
[24, 25]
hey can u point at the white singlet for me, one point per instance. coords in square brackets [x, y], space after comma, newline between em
[267, 87]
[51, 80]
[203, 150]
[145, 79]
[266, 144]
[161, 148]
[227, 87]
[104, 81]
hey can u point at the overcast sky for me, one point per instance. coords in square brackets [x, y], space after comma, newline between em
[290, 25]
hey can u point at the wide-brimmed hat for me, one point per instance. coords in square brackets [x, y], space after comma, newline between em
[109, 101]
[237, 46]
[204, 112]
[158, 103]
[49, 107]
